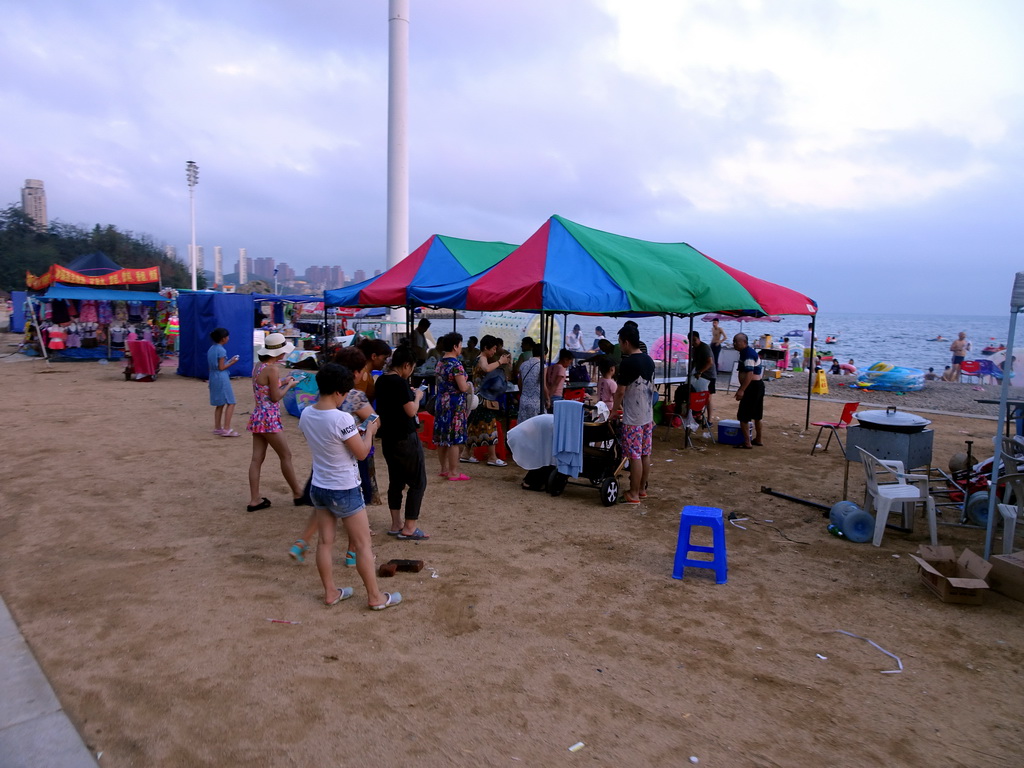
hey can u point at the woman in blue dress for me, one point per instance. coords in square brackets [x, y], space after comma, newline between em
[222, 398]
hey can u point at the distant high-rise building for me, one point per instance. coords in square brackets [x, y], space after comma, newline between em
[285, 272]
[243, 267]
[200, 260]
[263, 266]
[171, 252]
[218, 266]
[33, 202]
[337, 277]
[359, 276]
[377, 272]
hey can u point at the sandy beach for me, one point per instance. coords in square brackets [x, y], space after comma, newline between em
[144, 588]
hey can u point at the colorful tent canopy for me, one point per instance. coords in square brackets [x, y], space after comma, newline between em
[567, 267]
[440, 260]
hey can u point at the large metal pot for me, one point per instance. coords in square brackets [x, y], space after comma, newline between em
[891, 420]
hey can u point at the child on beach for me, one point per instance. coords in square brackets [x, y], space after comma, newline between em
[556, 375]
[336, 445]
[606, 385]
[222, 398]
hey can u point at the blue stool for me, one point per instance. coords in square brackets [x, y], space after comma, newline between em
[709, 517]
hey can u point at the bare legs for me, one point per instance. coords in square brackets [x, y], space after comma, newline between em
[358, 529]
[277, 441]
[449, 457]
[222, 416]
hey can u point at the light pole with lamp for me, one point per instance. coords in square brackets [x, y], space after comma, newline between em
[192, 174]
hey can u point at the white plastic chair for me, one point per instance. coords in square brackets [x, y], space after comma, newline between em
[1011, 512]
[905, 491]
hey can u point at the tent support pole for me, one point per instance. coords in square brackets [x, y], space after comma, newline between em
[810, 375]
[39, 331]
[997, 441]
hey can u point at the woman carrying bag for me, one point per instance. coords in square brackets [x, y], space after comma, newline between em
[489, 382]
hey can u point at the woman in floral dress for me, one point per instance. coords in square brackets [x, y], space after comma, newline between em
[269, 388]
[450, 409]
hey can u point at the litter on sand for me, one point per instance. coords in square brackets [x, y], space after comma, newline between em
[823, 658]
[577, 746]
[873, 644]
[736, 520]
[283, 621]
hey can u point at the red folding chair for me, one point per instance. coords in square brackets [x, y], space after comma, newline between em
[834, 426]
[970, 369]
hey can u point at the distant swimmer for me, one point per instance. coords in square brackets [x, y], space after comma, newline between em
[938, 338]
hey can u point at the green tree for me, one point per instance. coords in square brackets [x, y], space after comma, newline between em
[24, 248]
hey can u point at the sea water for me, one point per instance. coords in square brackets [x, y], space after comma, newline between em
[902, 340]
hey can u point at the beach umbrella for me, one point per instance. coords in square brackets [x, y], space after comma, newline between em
[440, 260]
[567, 267]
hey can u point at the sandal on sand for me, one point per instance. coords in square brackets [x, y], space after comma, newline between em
[218, 431]
[416, 535]
[350, 559]
[298, 551]
[443, 474]
[229, 433]
[394, 533]
[393, 598]
[746, 447]
[756, 442]
[497, 463]
[627, 500]
[254, 507]
[457, 478]
[470, 460]
[343, 594]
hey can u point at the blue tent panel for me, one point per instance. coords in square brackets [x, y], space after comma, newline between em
[18, 314]
[574, 281]
[93, 264]
[198, 315]
[81, 293]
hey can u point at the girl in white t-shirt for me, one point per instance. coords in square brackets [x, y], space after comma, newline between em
[337, 445]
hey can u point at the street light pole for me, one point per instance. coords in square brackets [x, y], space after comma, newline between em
[192, 174]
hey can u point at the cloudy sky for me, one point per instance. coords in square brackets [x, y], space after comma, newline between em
[866, 152]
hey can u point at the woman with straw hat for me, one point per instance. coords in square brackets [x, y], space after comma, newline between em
[269, 387]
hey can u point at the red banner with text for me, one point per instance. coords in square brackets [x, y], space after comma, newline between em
[59, 274]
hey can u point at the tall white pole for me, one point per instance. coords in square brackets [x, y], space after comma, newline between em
[192, 174]
[398, 129]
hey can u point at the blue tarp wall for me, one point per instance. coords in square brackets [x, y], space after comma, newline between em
[18, 316]
[198, 315]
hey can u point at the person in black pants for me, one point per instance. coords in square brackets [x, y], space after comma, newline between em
[397, 405]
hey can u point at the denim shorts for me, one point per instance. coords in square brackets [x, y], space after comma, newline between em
[340, 503]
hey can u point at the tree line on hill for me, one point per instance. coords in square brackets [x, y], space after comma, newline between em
[26, 248]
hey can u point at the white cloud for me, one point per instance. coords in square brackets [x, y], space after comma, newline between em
[822, 78]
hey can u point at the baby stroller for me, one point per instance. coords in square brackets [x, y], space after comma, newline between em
[602, 460]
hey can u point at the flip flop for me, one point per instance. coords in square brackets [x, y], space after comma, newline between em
[254, 507]
[443, 474]
[497, 463]
[470, 460]
[643, 495]
[394, 533]
[393, 598]
[627, 500]
[416, 535]
[457, 478]
[343, 594]
[229, 433]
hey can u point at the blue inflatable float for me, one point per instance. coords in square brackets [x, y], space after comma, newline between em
[886, 377]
